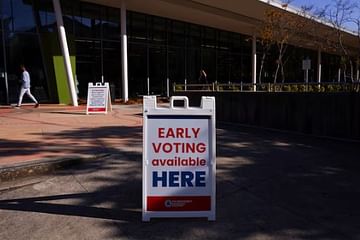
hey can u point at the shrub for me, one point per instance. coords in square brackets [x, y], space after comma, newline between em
[179, 88]
[302, 88]
[286, 88]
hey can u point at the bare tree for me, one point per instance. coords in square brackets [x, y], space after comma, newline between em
[266, 40]
[338, 14]
[280, 27]
[356, 22]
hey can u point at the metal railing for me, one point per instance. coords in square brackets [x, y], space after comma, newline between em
[268, 87]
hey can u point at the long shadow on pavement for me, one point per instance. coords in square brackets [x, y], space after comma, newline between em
[269, 185]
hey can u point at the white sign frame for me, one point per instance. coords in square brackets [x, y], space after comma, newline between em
[205, 111]
[106, 100]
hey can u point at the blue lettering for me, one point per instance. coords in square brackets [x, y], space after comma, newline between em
[200, 179]
[186, 178]
[173, 179]
[163, 179]
[177, 179]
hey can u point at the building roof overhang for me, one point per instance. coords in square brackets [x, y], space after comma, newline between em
[243, 17]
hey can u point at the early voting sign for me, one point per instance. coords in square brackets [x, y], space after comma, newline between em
[98, 100]
[179, 162]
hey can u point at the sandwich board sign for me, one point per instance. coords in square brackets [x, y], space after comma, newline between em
[179, 159]
[98, 100]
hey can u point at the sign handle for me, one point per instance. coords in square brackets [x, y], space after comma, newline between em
[179, 98]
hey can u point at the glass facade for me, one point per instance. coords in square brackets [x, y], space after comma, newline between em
[158, 49]
[178, 50]
[20, 45]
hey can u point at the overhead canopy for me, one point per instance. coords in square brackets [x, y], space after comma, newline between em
[233, 15]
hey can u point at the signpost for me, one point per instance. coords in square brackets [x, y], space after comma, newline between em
[306, 66]
[98, 100]
[179, 159]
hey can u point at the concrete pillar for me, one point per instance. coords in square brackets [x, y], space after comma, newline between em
[319, 67]
[124, 58]
[65, 52]
[254, 61]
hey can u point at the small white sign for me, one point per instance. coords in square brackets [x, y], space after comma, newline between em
[179, 163]
[98, 100]
[306, 64]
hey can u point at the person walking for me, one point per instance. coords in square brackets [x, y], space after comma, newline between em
[25, 87]
[203, 77]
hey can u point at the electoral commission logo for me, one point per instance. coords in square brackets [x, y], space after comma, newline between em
[176, 203]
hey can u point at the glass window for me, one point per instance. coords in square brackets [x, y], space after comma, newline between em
[193, 65]
[223, 64]
[48, 21]
[68, 12]
[246, 68]
[177, 33]
[209, 37]
[112, 64]
[209, 63]
[138, 27]
[24, 48]
[237, 42]
[157, 70]
[223, 42]
[158, 30]
[194, 36]
[2, 73]
[88, 63]
[90, 21]
[23, 16]
[44, 13]
[111, 23]
[137, 69]
[176, 64]
[236, 69]
[5, 15]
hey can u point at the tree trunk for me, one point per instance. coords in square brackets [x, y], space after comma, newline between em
[262, 67]
[276, 72]
[282, 72]
[357, 71]
[351, 71]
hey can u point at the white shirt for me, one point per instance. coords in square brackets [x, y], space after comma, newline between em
[25, 79]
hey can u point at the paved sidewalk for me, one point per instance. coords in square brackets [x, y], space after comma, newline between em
[55, 131]
[270, 185]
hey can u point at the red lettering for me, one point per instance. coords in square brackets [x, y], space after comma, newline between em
[156, 147]
[155, 162]
[167, 147]
[161, 132]
[178, 161]
[180, 133]
[179, 147]
[196, 132]
[201, 147]
[170, 133]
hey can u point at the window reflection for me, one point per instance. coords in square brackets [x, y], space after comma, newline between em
[23, 16]
[5, 15]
